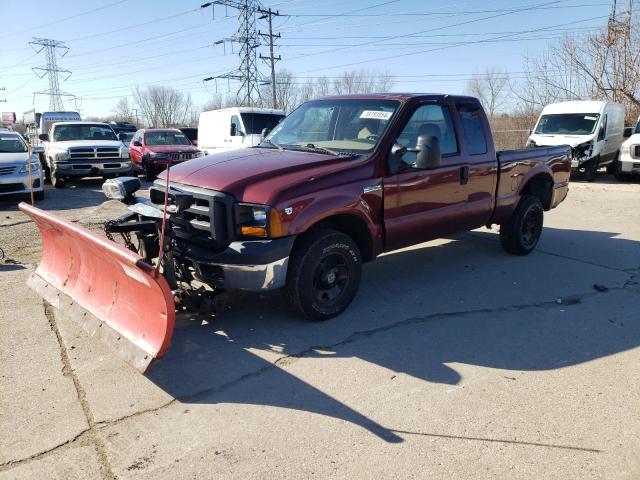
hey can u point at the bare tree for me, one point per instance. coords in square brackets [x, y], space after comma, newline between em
[362, 81]
[491, 88]
[163, 106]
[122, 111]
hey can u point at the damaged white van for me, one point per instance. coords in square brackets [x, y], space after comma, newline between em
[593, 129]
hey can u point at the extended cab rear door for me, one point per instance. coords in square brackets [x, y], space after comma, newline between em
[482, 164]
[421, 205]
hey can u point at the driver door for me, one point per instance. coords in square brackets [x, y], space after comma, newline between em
[421, 205]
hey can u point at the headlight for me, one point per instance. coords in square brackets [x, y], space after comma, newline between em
[62, 156]
[531, 144]
[625, 150]
[121, 188]
[198, 154]
[124, 153]
[35, 167]
[257, 221]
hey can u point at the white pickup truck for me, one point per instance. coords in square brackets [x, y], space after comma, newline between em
[83, 149]
[628, 163]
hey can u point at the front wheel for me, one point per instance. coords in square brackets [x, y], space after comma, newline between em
[323, 275]
[591, 170]
[56, 181]
[618, 173]
[520, 234]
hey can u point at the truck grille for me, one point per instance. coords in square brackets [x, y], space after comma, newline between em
[7, 170]
[181, 156]
[637, 151]
[11, 187]
[93, 152]
[209, 219]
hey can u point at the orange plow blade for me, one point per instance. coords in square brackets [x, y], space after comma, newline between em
[105, 287]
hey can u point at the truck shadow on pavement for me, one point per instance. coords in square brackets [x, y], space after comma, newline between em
[418, 312]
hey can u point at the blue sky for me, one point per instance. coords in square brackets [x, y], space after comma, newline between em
[430, 46]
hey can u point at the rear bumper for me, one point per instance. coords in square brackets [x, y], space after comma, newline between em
[89, 169]
[256, 265]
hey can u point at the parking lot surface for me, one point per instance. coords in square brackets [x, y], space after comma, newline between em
[456, 360]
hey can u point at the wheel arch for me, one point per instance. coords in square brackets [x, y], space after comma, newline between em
[541, 186]
[354, 227]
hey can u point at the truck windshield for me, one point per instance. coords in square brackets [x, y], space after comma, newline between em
[66, 132]
[342, 125]
[166, 138]
[12, 144]
[568, 124]
[255, 122]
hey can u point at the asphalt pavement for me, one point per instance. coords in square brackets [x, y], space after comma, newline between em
[456, 360]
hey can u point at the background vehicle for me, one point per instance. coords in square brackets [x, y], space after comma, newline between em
[593, 129]
[338, 182]
[235, 128]
[40, 123]
[191, 133]
[628, 163]
[14, 166]
[126, 137]
[152, 149]
[83, 149]
[123, 127]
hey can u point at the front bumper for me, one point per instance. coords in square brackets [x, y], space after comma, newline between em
[629, 164]
[93, 168]
[19, 183]
[253, 265]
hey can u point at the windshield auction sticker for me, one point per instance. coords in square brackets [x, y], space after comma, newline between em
[377, 114]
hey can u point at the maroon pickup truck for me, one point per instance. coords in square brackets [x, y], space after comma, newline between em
[335, 184]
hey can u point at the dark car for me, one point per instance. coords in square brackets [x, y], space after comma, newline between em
[191, 133]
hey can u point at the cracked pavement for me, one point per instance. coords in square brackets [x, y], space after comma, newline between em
[456, 360]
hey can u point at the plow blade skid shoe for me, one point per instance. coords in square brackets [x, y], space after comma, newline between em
[105, 287]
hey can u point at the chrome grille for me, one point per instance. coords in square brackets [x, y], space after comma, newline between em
[93, 152]
[637, 154]
[181, 156]
[7, 170]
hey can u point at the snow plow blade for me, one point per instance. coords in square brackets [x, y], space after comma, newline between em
[105, 287]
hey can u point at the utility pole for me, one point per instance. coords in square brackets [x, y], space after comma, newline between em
[271, 59]
[52, 49]
[246, 36]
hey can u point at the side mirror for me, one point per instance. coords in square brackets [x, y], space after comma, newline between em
[233, 130]
[37, 149]
[428, 156]
[628, 131]
[137, 143]
[44, 137]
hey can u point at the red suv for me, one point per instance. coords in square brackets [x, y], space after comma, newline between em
[152, 149]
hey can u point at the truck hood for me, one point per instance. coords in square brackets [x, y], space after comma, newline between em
[13, 158]
[255, 174]
[171, 148]
[85, 143]
[632, 140]
[555, 140]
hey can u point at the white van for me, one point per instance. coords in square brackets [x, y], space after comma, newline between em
[593, 129]
[234, 128]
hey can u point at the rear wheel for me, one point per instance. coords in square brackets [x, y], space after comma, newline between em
[520, 235]
[323, 275]
[149, 175]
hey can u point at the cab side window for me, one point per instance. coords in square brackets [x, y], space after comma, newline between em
[473, 129]
[434, 120]
[236, 121]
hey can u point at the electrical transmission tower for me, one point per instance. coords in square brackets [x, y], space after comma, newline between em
[271, 59]
[52, 49]
[247, 37]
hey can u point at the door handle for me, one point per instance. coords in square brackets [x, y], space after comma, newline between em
[464, 175]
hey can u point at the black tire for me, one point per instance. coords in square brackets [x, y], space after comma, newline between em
[520, 235]
[38, 196]
[149, 174]
[591, 170]
[56, 181]
[617, 172]
[46, 170]
[323, 275]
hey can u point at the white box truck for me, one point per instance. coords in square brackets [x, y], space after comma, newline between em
[593, 129]
[234, 128]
